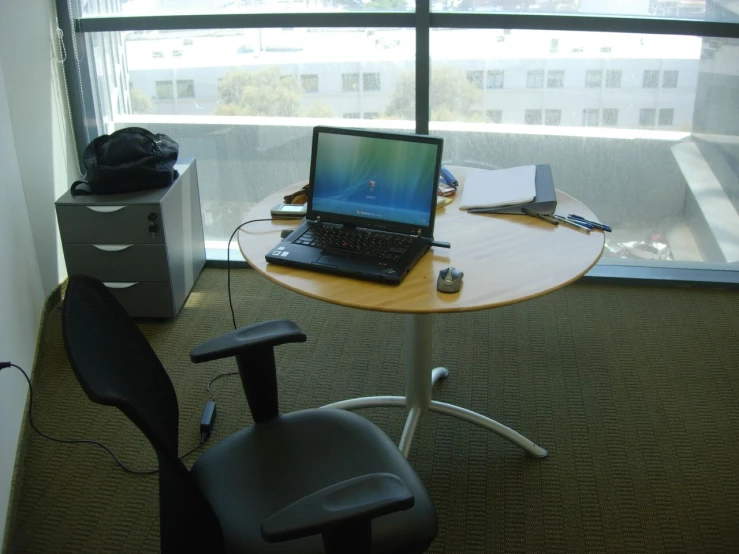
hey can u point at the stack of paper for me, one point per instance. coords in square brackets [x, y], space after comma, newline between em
[485, 188]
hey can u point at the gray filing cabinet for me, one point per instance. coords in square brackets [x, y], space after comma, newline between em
[146, 246]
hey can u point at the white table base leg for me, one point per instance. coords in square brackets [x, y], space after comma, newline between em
[490, 424]
[417, 399]
[369, 402]
[409, 430]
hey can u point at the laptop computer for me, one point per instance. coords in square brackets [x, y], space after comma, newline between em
[371, 205]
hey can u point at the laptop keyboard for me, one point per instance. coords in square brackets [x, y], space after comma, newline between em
[380, 245]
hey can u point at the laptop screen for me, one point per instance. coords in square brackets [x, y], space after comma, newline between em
[385, 179]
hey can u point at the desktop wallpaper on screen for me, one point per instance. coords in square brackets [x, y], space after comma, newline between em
[384, 179]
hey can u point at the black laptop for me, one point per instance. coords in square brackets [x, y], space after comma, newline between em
[371, 205]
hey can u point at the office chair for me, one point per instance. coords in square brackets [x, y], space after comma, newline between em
[313, 481]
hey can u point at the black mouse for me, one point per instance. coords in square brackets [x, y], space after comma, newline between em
[449, 280]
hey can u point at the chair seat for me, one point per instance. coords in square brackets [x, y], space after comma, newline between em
[258, 471]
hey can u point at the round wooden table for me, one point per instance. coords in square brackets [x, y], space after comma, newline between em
[505, 259]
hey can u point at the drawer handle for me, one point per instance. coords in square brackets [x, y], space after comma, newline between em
[112, 247]
[120, 285]
[105, 209]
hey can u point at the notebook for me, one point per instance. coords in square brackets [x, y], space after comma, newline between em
[545, 201]
[371, 205]
[485, 188]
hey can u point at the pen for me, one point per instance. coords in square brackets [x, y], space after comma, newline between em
[540, 216]
[448, 177]
[593, 224]
[577, 225]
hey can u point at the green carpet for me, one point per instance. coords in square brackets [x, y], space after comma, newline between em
[634, 391]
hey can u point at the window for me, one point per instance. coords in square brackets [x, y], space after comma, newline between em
[610, 117]
[532, 117]
[494, 116]
[646, 116]
[666, 115]
[350, 82]
[707, 103]
[309, 82]
[605, 49]
[669, 79]
[555, 79]
[475, 77]
[593, 78]
[590, 117]
[535, 79]
[186, 89]
[371, 81]
[650, 79]
[552, 117]
[613, 78]
[165, 90]
[495, 79]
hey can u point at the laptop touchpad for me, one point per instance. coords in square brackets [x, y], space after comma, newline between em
[331, 260]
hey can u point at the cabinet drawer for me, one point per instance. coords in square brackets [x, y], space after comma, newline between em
[143, 299]
[110, 224]
[118, 262]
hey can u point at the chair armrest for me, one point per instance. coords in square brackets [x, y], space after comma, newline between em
[362, 498]
[266, 333]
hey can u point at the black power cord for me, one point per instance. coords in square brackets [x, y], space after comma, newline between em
[209, 411]
[228, 265]
[3, 365]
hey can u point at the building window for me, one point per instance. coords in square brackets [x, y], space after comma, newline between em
[495, 79]
[351, 115]
[613, 78]
[555, 79]
[535, 79]
[610, 117]
[475, 77]
[669, 79]
[552, 117]
[494, 116]
[532, 117]
[593, 78]
[605, 49]
[666, 115]
[371, 115]
[371, 81]
[165, 90]
[650, 79]
[590, 117]
[350, 82]
[309, 83]
[186, 89]
[647, 116]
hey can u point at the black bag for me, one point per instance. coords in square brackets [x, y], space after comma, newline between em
[127, 160]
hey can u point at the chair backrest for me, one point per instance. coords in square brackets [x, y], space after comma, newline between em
[116, 366]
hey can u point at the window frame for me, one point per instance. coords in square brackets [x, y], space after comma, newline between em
[491, 78]
[308, 77]
[85, 120]
[539, 78]
[365, 80]
[591, 72]
[555, 78]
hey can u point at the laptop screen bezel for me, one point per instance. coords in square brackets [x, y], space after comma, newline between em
[371, 223]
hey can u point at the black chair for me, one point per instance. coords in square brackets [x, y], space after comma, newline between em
[313, 481]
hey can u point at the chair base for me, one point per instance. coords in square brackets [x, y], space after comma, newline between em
[418, 393]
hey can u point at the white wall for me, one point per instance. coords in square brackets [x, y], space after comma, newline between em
[36, 166]
[41, 129]
[21, 300]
